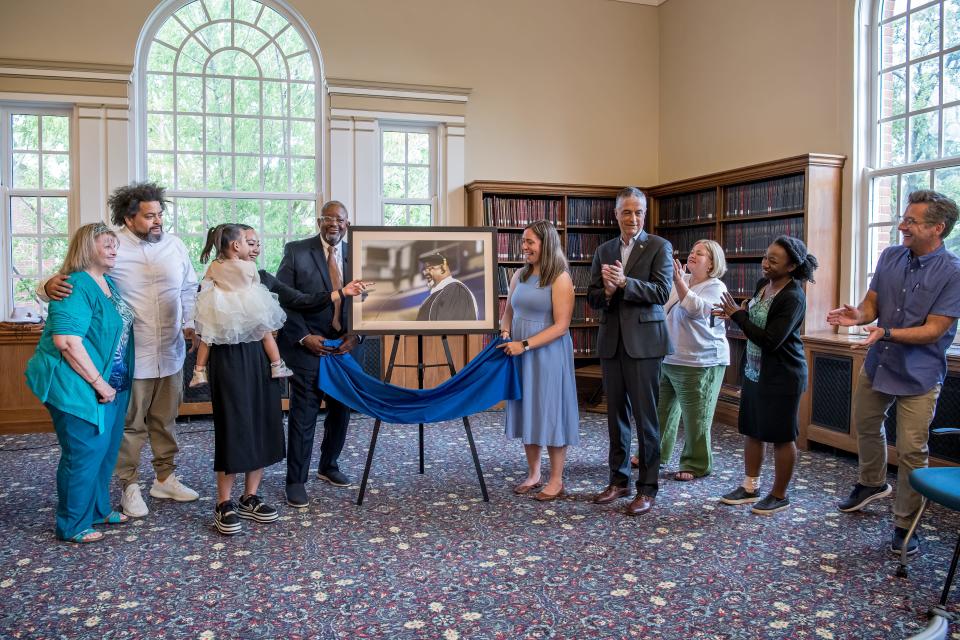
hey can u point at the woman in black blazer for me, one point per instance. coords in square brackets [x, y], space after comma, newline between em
[775, 370]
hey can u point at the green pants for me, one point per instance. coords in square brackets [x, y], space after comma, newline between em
[690, 392]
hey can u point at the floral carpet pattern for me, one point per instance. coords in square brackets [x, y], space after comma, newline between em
[425, 557]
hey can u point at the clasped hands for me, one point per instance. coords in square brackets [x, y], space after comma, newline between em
[613, 277]
[317, 345]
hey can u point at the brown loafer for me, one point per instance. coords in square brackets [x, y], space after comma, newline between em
[522, 490]
[543, 496]
[640, 505]
[611, 493]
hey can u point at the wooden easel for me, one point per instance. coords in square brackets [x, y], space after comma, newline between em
[420, 366]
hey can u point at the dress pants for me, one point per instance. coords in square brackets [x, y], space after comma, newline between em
[154, 405]
[87, 459]
[690, 392]
[633, 383]
[305, 399]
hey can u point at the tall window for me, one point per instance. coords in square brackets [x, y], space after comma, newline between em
[230, 100]
[915, 112]
[35, 185]
[407, 175]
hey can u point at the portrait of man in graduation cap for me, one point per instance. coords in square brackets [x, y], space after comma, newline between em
[449, 298]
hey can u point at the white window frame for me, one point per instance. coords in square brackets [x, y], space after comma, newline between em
[8, 191]
[870, 146]
[433, 199]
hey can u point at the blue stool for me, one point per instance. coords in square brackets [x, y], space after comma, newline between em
[941, 485]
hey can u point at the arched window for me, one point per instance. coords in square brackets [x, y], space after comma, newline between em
[229, 109]
[913, 131]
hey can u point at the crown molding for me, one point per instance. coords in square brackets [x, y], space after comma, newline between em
[64, 70]
[649, 3]
[367, 89]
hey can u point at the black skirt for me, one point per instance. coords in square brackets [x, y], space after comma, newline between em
[247, 418]
[769, 417]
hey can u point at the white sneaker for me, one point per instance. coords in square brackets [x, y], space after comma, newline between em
[131, 502]
[174, 489]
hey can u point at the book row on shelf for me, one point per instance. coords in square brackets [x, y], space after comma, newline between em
[755, 237]
[500, 211]
[579, 273]
[689, 207]
[768, 196]
[582, 312]
[582, 246]
[683, 240]
[741, 278]
[591, 211]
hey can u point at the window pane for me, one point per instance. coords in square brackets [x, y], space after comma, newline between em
[247, 135]
[219, 134]
[924, 32]
[219, 95]
[272, 64]
[56, 133]
[914, 182]
[272, 253]
[884, 200]
[303, 175]
[924, 137]
[951, 77]
[26, 170]
[248, 212]
[192, 57]
[24, 218]
[248, 173]
[24, 293]
[53, 217]
[54, 250]
[893, 39]
[393, 182]
[172, 33]
[394, 215]
[275, 99]
[159, 92]
[893, 93]
[893, 8]
[192, 15]
[271, 21]
[418, 148]
[246, 10]
[218, 9]
[420, 215]
[26, 131]
[418, 182]
[190, 133]
[160, 167]
[25, 256]
[219, 174]
[189, 94]
[301, 67]
[275, 217]
[189, 172]
[304, 218]
[951, 23]
[215, 36]
[290, 42]
[925, 84]
[159, 132]
[161, 57]
[247, 38]
[947, 181]
[56, 171]
[194, 246]
[303, 140]
[393, 146]
[190, 215]
[302, 100]
[951, 132]
[275, 177]
[893, 138]
[880, 238]
[219, 211]
[247, 98]
[274, 137]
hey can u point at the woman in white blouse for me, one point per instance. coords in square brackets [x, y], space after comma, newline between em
[691, 377]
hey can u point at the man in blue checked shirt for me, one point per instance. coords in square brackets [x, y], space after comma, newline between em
[915, 298]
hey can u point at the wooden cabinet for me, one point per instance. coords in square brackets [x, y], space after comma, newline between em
[20, 411]
[826, 410]
[744, 209]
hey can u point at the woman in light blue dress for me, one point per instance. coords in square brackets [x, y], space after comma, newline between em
[538, 314]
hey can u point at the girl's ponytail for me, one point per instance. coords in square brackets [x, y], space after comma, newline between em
[212, 244]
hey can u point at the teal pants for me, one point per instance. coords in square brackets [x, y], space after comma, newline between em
[87, 459]
[690, 393]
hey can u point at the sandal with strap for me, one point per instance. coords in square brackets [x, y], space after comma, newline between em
[85, 536]
[115, 517]
[684, 476]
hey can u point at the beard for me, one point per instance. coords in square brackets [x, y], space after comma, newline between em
[150, 236]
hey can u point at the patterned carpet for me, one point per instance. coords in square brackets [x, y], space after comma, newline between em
[426, 558]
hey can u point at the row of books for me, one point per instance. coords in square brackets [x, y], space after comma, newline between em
[581, 278]
[684, 239]
[584, 341]
[500, 211]
[591, 211]
[583, 312]
[741, 279]
[689, 207]
[509, 246]
[768, 196]
[582, 246]
[504, 275]
[755, 237]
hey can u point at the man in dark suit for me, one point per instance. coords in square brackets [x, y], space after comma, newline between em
[630, 281]
[449, 298]
[315, 265]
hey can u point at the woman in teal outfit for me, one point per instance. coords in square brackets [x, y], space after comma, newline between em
[82, 371]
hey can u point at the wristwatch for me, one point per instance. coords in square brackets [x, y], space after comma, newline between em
[526, 345]
[886, 333]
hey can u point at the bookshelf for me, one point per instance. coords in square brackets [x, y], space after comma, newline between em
[744, 209]
[584, 217]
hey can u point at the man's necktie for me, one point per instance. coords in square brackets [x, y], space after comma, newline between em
[336, 280]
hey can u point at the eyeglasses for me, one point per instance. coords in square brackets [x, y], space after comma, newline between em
[332, 220]
[912, 222]
[636, 214]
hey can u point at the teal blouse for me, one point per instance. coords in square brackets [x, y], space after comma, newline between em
[90, 314]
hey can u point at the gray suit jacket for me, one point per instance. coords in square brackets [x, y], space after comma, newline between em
[635, 313]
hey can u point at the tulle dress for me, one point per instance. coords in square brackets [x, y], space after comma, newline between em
[547, 415]
[233, 307]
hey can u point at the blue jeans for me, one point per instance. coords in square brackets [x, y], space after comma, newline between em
[87, 459]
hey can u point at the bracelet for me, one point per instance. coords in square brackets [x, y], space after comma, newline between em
[340, 291]
[94, 381]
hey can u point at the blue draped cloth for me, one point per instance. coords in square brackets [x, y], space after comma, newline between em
[490, 377]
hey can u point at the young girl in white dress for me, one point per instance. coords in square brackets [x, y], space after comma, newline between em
[232, 306]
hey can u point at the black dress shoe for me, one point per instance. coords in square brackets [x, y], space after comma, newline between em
[640, 505]
[297, 496]
[334, 477]
[611, 493]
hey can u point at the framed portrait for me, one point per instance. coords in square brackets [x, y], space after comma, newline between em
[427, 280]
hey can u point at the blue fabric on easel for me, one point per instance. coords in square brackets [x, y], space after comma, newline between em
[490, 377]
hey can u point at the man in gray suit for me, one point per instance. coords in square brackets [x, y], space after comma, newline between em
[630, 282]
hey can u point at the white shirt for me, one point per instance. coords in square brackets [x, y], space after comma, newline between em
[338, 257]
[626, 248]
[695, 342]
[157, 280]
